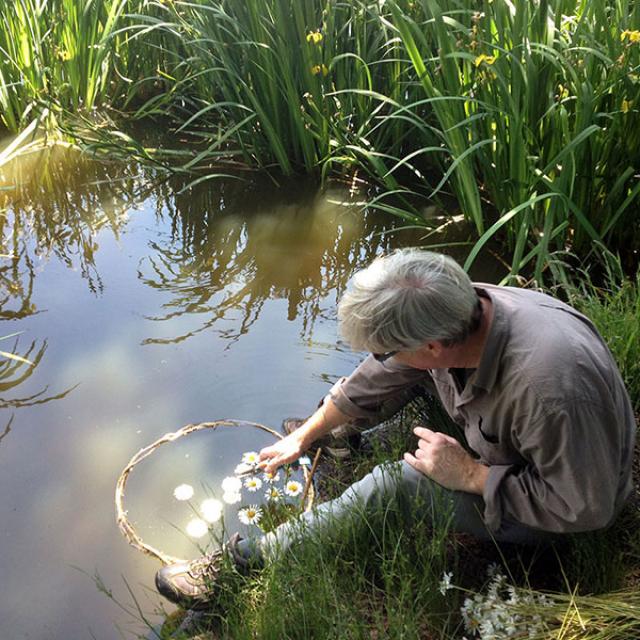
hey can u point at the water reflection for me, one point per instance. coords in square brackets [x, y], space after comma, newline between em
[54, 203]
[7, 429]
[229, 246]
[233, 246]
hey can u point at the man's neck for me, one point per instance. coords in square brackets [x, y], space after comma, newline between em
[468, 354]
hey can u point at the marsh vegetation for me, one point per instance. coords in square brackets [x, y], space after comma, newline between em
[517, 122]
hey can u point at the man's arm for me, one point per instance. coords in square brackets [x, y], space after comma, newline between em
[366, 394]
[290, 448]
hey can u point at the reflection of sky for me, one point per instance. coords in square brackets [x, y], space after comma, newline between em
[60, 462]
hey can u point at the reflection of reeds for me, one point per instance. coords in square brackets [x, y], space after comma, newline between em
[232, 249]
[15, 368]
[55, 202]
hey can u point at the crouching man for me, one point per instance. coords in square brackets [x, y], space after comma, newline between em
[536, 390]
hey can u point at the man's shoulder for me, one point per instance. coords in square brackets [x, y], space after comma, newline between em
[552, 350]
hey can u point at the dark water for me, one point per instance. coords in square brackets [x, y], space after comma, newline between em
[144, 308]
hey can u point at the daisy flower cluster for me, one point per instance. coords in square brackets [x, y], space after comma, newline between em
[504, 611]
[269, 494]
[273, 489]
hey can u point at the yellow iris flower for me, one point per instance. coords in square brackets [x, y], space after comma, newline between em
[315, 37]
[484, 58]
[319, 68]
[632, 36]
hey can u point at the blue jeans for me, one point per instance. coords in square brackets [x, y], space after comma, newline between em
[395, 482]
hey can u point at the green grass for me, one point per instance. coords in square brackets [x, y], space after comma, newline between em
[614, 308]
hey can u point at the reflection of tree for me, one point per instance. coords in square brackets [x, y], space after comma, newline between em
[54, 203]
[7, 429]
[233, 246]
[15, 368]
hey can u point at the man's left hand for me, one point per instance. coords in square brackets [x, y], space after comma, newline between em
[443, 459]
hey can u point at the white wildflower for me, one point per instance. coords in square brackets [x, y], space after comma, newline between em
[253, 484]
[183, 492]
[272, 477]
[196, 528]
[250, 457]
[250, 515]
[491, 616]
[211, 510]
[293, 488]
[273, 493]
[445, 583]
[231, 485]
[231, 498]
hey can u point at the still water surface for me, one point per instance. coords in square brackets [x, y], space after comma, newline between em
[144, 308]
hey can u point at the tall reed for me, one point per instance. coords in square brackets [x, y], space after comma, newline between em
[71, 54]
[527, 113]
[539, 103]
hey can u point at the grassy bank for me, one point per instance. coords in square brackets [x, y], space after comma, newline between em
[390, 576]
[526, 113]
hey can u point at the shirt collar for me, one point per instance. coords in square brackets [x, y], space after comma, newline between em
[487, 371]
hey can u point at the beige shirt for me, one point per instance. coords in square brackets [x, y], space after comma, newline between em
[546, 409]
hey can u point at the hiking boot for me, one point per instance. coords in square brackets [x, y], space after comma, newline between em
[195, 584]
[339, 447]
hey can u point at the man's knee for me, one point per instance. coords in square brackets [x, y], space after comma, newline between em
[388, 481]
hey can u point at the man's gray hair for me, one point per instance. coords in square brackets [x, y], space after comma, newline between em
[407, 298]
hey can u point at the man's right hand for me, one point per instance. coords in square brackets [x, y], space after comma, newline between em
[325, 418]
[286, 450]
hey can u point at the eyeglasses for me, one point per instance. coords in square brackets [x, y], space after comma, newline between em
[381, 357]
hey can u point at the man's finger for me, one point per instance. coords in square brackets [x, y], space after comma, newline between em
[425, 445]
[423, 432]
[411, 460]
[420, 453]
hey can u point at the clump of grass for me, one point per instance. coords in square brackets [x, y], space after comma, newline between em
[614, 307]
[73, 55]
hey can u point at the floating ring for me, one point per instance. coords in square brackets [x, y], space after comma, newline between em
[127, 528]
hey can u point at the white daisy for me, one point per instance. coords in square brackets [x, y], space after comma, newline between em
[250, 457]
[253, 484]
[250, 514]
[183, 492]
[273, 493]
[272, 477]
[231, 497]
[211, 510]
[231, 485]
[196, 528]
[293, 488]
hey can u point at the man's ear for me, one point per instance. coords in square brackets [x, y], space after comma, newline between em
[433, 348]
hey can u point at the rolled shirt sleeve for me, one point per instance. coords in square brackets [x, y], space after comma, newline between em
[376, 390]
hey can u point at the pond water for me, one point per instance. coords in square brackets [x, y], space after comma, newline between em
[145, 307]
